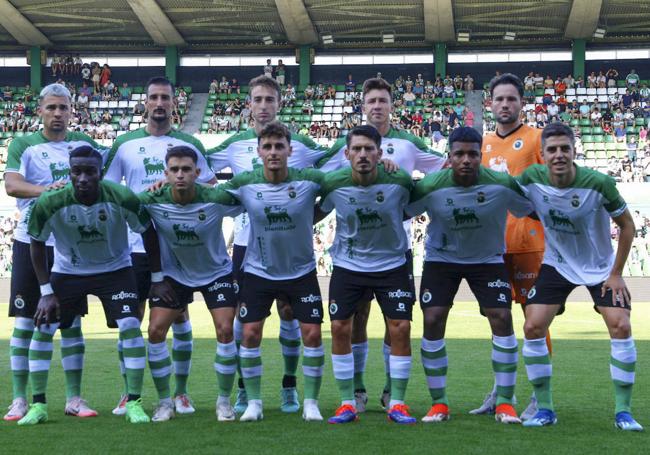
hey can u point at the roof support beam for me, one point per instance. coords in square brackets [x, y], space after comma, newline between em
[156, 23]
[20, 27]
[583, 18]
[438, 21]
[296, 21]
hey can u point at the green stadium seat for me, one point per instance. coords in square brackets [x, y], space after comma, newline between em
[639, 121]
[609, 138]
[340, 88]
[598, 138]
[188, 89]
[319, 103]
[574, 122]
[585, 130]
[585, 122]
[204, 127]
[138, 89]
[460, 100]
[449, 101]
[597, 130]
[621, 83]
[631, 130]
[587, 138]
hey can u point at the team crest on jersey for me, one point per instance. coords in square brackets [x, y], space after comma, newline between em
[450, 202]
[389, 149]
[380, 196]
[259, 195]
[518, 144]
[202, 215]
[89, 234]
[426, 296]
[488, 148]
[153, 166]
[19, 302]
[141, 151]
[102, 215]
[575, 201]
[480, 197]
[59, 170]
[466, 215]
[184, 232]
[292, 192]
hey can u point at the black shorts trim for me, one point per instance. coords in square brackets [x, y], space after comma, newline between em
[551, 288]
[221, 293]
[117, 291]
[25, 291]
[302, 293]
[488, 282]
[392, 288]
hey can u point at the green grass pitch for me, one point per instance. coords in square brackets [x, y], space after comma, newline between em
[583, 398]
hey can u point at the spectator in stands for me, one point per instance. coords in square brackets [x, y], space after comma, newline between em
[214, 87]
[569, 81]
[631, 149]
[469, 83]
[234, 87]
[643, 136]
[553, 111]
[408, 98]
[307, 107]
[584, 109]
[96, 77]
[331, 92]
[124, 122]
[268, 68]
[224, 85]
[319, 92]
[529, 82]
[627, 174]
[289, 96]
[579, 82]
[549, 82]
[280, 72]
[449, 91]
[82, 100]
[612, 76]
[314, 130]
[309, 92]
[538, 80]
[125, 92]
[619, 133]
[293, 126]
[458, 82]
[560, 86]
[418, 90]
[632, 79]
[181, 98]
[349, 84]
[596, 117]
[105, 75]
[591, 80]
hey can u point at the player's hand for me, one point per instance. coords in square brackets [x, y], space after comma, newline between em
[163, 291]
[56, 185]
[47, 310]
[389, 165]
[620, 293]
[156, 186]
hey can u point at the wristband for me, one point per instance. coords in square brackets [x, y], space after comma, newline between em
[46, 289]
[156, 277]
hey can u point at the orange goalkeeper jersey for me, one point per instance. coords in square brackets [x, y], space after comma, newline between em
[513, 154]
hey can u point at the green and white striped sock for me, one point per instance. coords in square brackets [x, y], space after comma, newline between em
[134, 354]
[343, 366]
[72, 357]
[225, 365]
[539, 370]
[435, 363]
[161, 368]
[313, 363]
[504, 364]
[622, 364]
[251, 367]
[40, 357]
[182, 345]
[19, 355]
[400, 371]
[290, 342]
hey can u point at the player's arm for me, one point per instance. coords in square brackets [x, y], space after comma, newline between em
[48, 304]
[17, 186]
[160, 289]
[615, 280]
[319, 214]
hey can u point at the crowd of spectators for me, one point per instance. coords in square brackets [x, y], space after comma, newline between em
[7, 226]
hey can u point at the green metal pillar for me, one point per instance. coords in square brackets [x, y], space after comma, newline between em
[305, 67]
[578, 52]
[171, 63]
[440, 59]
[36, 69]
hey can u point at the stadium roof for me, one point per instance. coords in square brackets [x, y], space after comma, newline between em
[200, 26]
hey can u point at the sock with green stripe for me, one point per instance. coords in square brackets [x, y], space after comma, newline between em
[504, 364]
[182, 345]
[225, 365]
[360, 354]
[120, 356]
[313, 363]
[19, 355]
[161, 368]
[539, 370]
[343, 366]
[251, 367]
[386, 352]
[400, 371]
[72, 357]
[40, 357]
[238, 334]
[621, 366]
[290, 342]
[134, 354]
[435, 363]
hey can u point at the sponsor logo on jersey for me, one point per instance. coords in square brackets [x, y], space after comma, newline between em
[525, 275]
[259, 195]
[390, 149]
[498, 284]
[59, 170]
[426, 296]
[123, 295]
[219, 285]
[165, 214]
[73, 218]
[398, 294]
[19, 302]
[221, 298]
[465, 215]
[141, 150]
[352, 200]
[45, 155]
[202, 215]
[184, 232]
[292, 192]
[575, 201]
[518, 144]
[89, 234]
[333, 307]
[368, 216]
[380, 196]
[560, 220]
[502, 298]
[243, 311]
[276, 214]
[545, 198]
[311, 298]
[153, 166]
[480, 197]
[349, 247]
[250, 149]
[315, 313]
[126, 309]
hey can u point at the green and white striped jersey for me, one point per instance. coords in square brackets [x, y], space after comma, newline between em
[192, 248]
[88, 239]
[369, 233]
[280, 245]
[239, 153]
[576, 222]
[467, 224]
[139, 158]
[42, 162]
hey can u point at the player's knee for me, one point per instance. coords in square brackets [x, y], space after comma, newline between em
[252, 335]
[224, 331]
[533, 329]
[500, 321]
[284, 311]
[620, 328]
[311, 334]
[157, 332]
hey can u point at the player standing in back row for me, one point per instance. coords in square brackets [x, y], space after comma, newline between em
[513, 148]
